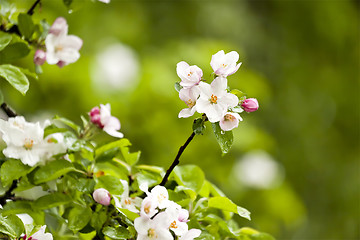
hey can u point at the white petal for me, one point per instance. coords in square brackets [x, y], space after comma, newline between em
[186, 112]
[180, 69]
[73, 42]
[205, 90]
[219, 86]
[142, 225]
[228, 100]
[191, 234]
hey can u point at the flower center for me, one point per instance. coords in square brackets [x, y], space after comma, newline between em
[213, 98]
[223, 65]
[229, 117]
[127, 201]
[59, 48]
[161, 197]
[190, 103]
[173, 225]
[190, 74]
[152, 233]
[147, 208]
[28, 144]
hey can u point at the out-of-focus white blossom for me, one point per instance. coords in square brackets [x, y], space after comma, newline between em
[102, 196]
[61, 48]
[189, 96]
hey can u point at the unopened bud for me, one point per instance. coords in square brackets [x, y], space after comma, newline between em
[250, 105]
[102, 196]
[95, 117]
[39, 57]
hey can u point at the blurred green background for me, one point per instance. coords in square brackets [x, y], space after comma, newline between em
[294, 163]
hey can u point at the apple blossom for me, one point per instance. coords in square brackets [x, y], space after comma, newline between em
[250, 105]
[189, 75]
[102, 196]
[177, 216]
[156, 228]
[103, 119]
[61, 48]
[214, 100]
[40, 235]
[25, 141]
[230, 121]
[191, 234]
[39, 57]
[104, 1]
[189, 96]
[225, 64]
[125, 201]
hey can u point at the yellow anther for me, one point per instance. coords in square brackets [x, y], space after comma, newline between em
[173, 225]
[190, 103]
[29, 143]
[213, 99]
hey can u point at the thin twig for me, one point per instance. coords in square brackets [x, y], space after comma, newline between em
[31, 10]
[9, 112]
[176, 161]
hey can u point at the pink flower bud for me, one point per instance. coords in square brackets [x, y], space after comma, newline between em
[95, 117]
[250, 105]
[102, 196]
[61, 64]
[39, 57]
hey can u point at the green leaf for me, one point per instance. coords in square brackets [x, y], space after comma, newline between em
[226, 204]
[52, 170]
[15, 77]
[68, 123]
[29, 73]
[198, 126]
[117, 233]
[51, 200]
[26, 25]
[19, 206]
[190, 176]
[5, 39]
[98, 219]
[1, 97]
[224, 138]
[178, 87]
[252, 234]
[110, 183]
[12, 169]
[79, 217]
[11, 225]
[238, 93]
[14, 51]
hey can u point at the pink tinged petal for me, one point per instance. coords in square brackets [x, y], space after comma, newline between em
[218, 86]
[216, 60]
[148, 207]
[179, 228]
[73, 42]
[59, 26]
[102, 196]
[205, 90]
[235, 69]
[113, 133]
[183, 215]
[41, 235]
[228, 100]
[187, 112]
[142, 225]
[230, 121]
[191, 234]
[181, 68]
[39, 57]
[68, 55]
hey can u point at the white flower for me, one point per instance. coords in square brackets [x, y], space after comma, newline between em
[61, 48]
[102, 196]
[41, 235]
[102, 117]
[230, 121]
[214, 100]
[104, 1]
[189, 96]
[225, 64]
[125, 201]
[191, 234]
[189, 75]
[178, 218]
[25, 141]
[157, 228]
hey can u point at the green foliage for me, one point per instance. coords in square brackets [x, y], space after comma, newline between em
[11, 225]
[224, 138]
[5, 39]
[26, 25]
[199, 126]
[11, 170]
[15, 77]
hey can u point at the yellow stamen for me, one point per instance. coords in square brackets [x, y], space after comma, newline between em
[127, 202]
[152, 233]
[213, 99]
[173, 225]
[190, 103]
[29, 143]
[229, 117]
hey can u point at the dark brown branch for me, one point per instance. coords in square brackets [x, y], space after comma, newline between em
[176, 161]
[9, 112]
[31, 10]
[8, 194]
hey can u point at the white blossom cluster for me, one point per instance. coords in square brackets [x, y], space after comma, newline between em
[213, 99]
[25, 141]
[160, 218]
